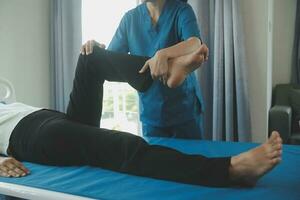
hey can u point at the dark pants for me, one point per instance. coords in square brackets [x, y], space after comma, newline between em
[54, 138]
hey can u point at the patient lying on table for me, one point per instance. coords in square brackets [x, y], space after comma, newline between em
[74, 138]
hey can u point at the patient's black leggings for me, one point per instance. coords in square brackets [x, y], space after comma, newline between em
[53, 138]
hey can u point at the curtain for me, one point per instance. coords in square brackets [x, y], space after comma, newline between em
[223, 79]
[65, 22]
[296, 50]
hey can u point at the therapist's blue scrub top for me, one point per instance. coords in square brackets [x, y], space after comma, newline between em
[161, 106]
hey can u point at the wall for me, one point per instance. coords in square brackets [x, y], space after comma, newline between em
[269, 32]
[24, 52]
[284, 28]
[255, 17]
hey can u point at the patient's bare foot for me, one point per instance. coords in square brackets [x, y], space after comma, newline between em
[246, 168]
[180, 67]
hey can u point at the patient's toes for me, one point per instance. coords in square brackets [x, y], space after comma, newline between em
[275, 133]
[272, 138]
[278, 146]
[275, 154]
[275, 142]
[269, 149]
[270, 155]
[276, 161]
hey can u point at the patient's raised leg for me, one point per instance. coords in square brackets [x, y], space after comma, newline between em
[246, 168]
[92, 70]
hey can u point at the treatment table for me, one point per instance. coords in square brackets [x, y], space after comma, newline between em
[49, 182]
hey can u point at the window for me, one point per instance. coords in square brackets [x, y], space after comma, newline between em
[100, 20]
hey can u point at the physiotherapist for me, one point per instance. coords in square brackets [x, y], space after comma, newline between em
[162, 29]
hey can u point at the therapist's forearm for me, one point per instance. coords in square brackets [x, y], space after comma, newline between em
[183, 48]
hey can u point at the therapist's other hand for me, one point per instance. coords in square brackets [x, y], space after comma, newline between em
[88, 47]
[205, 51]
[159, 67]
[10, 167]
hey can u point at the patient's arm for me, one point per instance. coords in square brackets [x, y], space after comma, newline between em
[10, 167]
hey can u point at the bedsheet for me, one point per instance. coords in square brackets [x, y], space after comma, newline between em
[281, 183]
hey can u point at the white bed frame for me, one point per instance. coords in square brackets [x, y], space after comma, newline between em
[7, 91]
[25, 192]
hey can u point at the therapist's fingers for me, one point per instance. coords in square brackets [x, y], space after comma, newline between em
[82, 50]
[205, 51]
[102, 46]
[165, 78]
[89, 47]
[161, 79]
[145, 67]
[92, 44]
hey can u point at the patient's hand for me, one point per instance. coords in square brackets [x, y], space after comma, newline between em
[10, 167]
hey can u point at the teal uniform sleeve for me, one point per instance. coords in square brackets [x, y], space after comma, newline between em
[119, 42]
[187, 23]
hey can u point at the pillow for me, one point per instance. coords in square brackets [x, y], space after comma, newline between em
[295, 103]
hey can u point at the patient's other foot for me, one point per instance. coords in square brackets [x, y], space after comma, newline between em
[246, 168]
[180, 67]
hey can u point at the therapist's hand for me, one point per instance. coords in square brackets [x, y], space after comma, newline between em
[159, 67]
[10, 167]
[88, 47]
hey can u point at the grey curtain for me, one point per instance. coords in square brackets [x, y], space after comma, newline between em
[65, 22]
[223, 78]
[296, 51]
